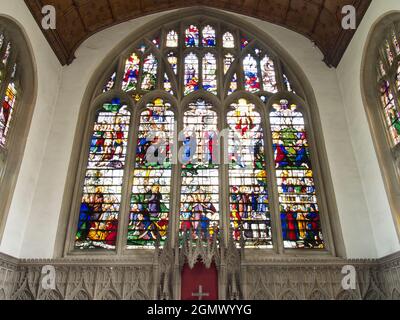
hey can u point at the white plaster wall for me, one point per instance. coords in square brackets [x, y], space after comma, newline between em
[349, 76]
[354, 213]
[48, 77]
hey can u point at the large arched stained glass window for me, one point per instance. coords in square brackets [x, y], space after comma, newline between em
[102, 192]
[249, 202]
[388, 68]
[8, 89]
[199, 210]
[17, 102]
[216, 83]
[150, 200]
[298, 203]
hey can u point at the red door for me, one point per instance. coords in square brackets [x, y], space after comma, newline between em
[199, 283]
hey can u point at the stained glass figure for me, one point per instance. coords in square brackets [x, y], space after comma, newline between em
[142, 47]
[191, 73]
[156, 42]
[228, 60]
[173, 61]
[396, 43]
[150, 200]
[249, 201]
[208, 36]
[210, 73]
[268, 75]
[391, 113]
[7, 53]
[228, 40]
[168, 84]
[6, 112]
[110, 83]
[101, 200]
[233, 85]
[199, 209]
[244, 42]
[389, 52]
[300, 216]
[398, 77]
[192, 36]
[172, 39]
[150, 69]
[382, 68]
[252, 80]
[131, 74]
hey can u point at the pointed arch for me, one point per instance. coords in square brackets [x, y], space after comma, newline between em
[185, 80]
[17, 99]
[380, 88]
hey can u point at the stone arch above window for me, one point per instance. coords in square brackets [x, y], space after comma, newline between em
[188, 77]
[17, 94]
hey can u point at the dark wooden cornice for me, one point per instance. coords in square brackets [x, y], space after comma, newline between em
[319, 20]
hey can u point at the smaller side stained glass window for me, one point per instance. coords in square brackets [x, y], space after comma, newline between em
[102, 191]
[6, 112]
[209, 37]
[191, 73]
[172, 39]
[228, 60]
[228, 40]
[268, 75]
[150, 69]
[192, 37]
[110, 83]
[131, 74]
[300, 215]
[252, 81]
[150, 199]
[210, 73]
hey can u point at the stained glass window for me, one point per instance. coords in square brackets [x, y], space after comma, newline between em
[244, 41]
[382, 68]
[249, 201]
[208, 36]
[173, 61]
[192, 36]
[396, 43]
[110, 83]
[252, 81]
[268, 75]
[150, 67]
[101, 200]
[199, 209]
[391, 113]
[142, 47]
[228, 60]
[168, 84]
[299, 210]
[398, 78]
[172, 39]
[7, 53]
[131, 74]
[191, 73]
[210, 73]
[6, 112]
[233, 85]
[389, 52]
[228, 40]
[150, 200]
[138, 195]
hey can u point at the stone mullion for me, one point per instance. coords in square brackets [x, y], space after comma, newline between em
[129, 171]
[224, 178]
[273, 194]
